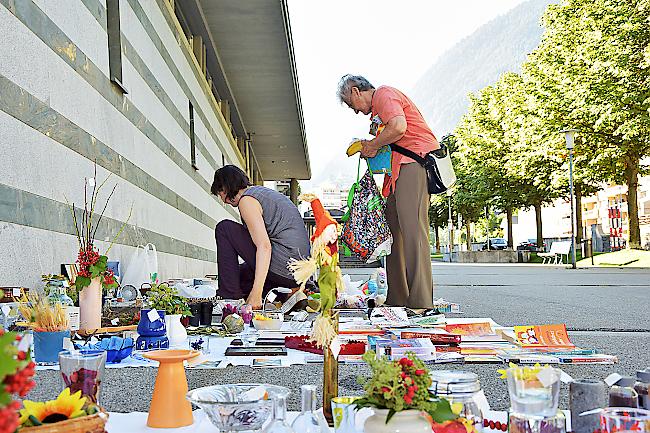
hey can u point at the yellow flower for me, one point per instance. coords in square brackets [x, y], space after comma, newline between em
[522, 372]
[65, 407]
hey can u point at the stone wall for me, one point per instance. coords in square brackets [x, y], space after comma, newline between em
[59, 112]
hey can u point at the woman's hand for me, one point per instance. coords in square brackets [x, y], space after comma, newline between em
[255, 301]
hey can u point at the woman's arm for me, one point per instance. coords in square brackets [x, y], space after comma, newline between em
[251, 212]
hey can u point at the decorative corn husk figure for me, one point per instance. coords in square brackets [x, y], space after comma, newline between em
[324, 261]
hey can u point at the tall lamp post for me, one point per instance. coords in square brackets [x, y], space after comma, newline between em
[569, 135]
[450, 224]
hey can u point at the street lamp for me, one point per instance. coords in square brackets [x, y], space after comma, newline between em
[569, 136]
[450, 224]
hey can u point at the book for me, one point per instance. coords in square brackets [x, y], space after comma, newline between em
[543, 336]
[263, 362]
[395, 349]
[478, 329]
[435, 338]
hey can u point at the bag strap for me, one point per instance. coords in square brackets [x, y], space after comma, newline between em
[406, 152]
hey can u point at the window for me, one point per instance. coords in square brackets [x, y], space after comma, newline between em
[192, 138]
[114, 43]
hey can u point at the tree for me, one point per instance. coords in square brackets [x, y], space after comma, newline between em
[592, 72]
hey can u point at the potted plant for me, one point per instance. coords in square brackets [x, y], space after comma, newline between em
[50, 325]
[400, 395]
[93, 273]
[165, 298]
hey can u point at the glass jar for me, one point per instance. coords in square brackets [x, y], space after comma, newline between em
[642, 388]
[459, 387]
[622, 394]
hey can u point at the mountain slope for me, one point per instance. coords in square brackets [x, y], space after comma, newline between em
[499, 46]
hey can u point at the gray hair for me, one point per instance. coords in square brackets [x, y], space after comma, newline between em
[347, 82]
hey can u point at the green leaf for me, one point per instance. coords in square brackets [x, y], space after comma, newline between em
[81, 282]
[391, 412]
[94, 271]
[443, 412]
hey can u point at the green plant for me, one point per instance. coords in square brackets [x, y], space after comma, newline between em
[402, 385]
[163, 297]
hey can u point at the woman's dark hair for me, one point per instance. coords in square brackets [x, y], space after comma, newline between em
[229, 179]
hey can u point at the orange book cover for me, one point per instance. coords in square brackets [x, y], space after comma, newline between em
[470, 329]
[543, 336]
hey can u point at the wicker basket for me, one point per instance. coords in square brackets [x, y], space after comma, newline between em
[95, 423]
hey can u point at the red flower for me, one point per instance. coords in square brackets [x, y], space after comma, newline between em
[385, 389]
[405, 362]
[419, 372]
[403, 374]
[408, 399]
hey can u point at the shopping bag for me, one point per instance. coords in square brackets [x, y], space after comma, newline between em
[365, 228]
[142, 268]
[380, 163]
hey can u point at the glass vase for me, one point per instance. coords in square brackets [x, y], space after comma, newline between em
[83, 371]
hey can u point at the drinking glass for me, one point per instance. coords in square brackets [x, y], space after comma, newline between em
[534, 393]
[624, 419]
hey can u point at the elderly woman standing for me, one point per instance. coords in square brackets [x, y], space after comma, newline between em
[394, 118]
[272, 234]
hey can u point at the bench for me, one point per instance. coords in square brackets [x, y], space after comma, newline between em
[558, 249]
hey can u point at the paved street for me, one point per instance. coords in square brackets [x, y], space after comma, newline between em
[607, 309]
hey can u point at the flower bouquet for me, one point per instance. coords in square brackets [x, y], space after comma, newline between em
[93, 273]
[399, 391]
[16, 371]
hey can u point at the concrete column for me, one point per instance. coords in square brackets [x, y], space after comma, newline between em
[293, 190]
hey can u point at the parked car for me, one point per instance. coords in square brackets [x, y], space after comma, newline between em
[528, 245]
[495, 244]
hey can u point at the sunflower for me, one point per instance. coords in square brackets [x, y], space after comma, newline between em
[66, 406]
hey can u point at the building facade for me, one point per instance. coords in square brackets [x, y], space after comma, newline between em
[158, 95]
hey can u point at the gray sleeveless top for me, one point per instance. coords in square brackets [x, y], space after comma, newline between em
[285, 227]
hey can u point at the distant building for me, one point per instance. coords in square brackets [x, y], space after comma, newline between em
[607, 208]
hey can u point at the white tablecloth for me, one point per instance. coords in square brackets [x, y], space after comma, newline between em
[136, 422]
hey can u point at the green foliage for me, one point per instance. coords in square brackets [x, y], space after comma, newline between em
[591, 71]
[9, 363]
[163, 297]
[401, 385]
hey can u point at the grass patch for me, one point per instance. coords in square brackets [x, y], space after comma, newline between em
[436, 256]
[623, 258]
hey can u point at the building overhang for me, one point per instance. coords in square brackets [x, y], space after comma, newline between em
[253, 47]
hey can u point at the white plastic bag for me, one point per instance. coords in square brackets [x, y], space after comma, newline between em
[142, 268]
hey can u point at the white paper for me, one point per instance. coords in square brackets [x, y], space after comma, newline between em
[335, 346]
[25, 343]
[73, 314]
[6, 309]
[115, 321]
[271, 297]
[153, 315]
[547, 377]
[15, 291]
[91, 182]
[612, 379]
[565, 377]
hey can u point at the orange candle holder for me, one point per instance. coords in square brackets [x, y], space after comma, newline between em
[169, 407]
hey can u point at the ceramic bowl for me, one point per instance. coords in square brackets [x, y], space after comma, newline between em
[230, 409]
[275, 324]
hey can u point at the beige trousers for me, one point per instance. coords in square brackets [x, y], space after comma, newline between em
[408, 266]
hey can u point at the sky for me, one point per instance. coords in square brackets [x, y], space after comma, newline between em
[388, 42]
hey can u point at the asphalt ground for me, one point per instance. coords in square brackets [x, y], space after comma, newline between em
[605, 309]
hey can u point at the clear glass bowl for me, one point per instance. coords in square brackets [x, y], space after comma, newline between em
[228, 408]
